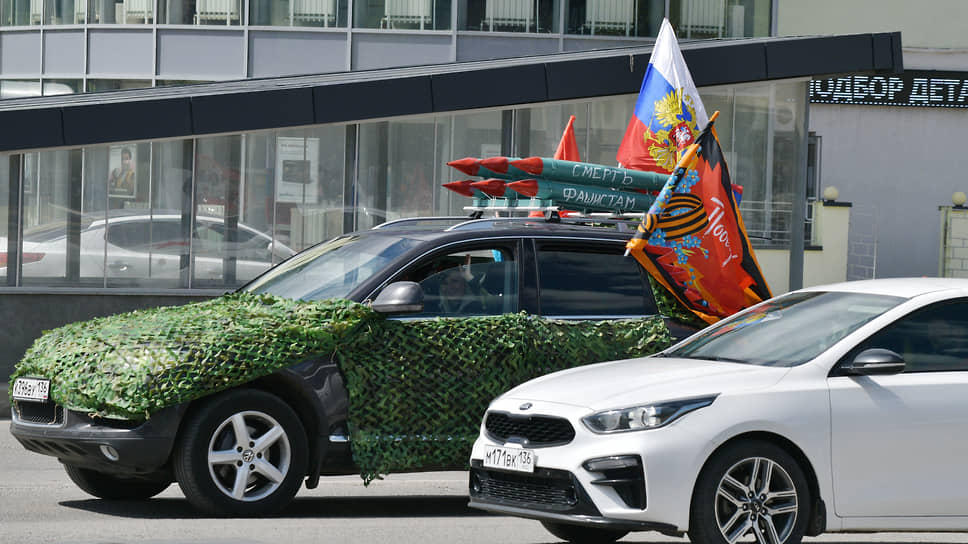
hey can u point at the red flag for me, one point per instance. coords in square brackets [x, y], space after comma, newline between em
[694, 242]
[568, 147]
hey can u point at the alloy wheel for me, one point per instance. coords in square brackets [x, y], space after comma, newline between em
[249, 456]
[756, 497]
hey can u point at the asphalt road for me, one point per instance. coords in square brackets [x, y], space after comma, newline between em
[38, 504]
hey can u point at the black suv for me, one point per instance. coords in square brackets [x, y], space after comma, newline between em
[558, 269]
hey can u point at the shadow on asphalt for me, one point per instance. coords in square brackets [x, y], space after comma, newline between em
[309, 507]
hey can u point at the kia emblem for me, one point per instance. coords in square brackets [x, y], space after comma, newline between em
[524, 406]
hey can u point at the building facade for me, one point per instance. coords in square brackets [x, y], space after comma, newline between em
[892, 145]
[115, 200]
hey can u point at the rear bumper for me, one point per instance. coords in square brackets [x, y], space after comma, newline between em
[140, 447]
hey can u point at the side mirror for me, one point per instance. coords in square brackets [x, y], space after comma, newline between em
[874, 361]
[399, 298]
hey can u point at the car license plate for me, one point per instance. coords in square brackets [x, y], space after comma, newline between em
[515, 459]
[32, 389]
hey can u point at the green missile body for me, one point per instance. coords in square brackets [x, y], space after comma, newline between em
[586, 173]
[583, 197]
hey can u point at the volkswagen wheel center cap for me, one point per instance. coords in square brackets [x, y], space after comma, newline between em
[524, 406]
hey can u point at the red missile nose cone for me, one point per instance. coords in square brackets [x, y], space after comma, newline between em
[527, 187]
[462, 187]
[493, 187]
[496, 164]
[531, 165]
[467, 165]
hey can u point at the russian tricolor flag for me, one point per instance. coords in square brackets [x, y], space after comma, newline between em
[668, 114]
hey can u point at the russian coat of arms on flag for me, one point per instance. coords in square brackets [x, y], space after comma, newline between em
[668, 114]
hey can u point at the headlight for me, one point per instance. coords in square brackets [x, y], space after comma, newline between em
[649, 416]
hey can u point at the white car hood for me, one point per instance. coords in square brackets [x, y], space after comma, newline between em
[633, 381]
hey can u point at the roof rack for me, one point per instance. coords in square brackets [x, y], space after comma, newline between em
[621, 224]
[428, 222]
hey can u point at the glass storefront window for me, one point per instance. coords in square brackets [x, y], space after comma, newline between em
[607, 120]
[62, 86]
[470, 135]
[539, 16]
[395, 171]
[538, 130]
[294, 186]
[703, 19]
[53, 219]
[614, 17]
[310, 13]
[201, 12]
[403, 14]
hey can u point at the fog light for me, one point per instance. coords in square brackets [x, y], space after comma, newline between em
[611, 463]
[110, 453]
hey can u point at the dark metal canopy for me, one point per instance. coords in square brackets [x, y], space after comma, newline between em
[259, 104]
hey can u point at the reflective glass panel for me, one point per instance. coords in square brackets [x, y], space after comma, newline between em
[402, 14]
[216, 230]
[476, 135]
[703, 19]
[119, 12]
[53, 221]
[293, 188]
[94, 85]
[62, 86]
[21, 12]
[8, 181]
[395, 171]
[65, 12]
[509, 15]
[19, 88]
[614, 17]
[201, 12]
[314, 13]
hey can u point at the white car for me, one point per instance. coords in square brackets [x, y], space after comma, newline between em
[841, 408]
[139, 246]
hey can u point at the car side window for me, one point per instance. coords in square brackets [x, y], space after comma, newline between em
[592, 283]
[160, 236]
[934, 339]
[480, 281]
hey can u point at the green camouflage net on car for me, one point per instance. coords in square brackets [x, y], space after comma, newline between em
[418, 388]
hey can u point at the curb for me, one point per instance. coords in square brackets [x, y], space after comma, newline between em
[4, 401]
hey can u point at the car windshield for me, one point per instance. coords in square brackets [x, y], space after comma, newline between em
[332, 269]
[786, 331]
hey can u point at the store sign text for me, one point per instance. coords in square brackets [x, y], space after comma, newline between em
[923, 88]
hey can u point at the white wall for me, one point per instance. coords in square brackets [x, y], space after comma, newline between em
[923, 23]
[827, 263]
[905, 162]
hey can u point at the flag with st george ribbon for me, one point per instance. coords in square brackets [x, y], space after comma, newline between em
[668, 113]
[693, 241]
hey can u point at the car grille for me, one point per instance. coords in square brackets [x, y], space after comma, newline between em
[536, 430]
[552, 489]
[39, 413]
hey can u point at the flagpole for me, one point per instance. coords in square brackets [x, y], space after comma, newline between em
[651, 219]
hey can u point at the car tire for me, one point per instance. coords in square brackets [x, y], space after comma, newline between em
[751, 485]
[582, 533]
[109, 486]
[241, 453]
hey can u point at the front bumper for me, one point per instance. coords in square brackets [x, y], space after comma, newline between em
[651, 489]
[139, 447]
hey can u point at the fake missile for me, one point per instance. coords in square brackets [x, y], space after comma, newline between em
[585, 173]
[493, 167]
[583, 197]
[491, 187]
[463, 187]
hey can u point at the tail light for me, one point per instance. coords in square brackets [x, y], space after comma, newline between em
[27, 258]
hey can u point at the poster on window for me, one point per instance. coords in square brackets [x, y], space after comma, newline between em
[121, 177]
[297, 164]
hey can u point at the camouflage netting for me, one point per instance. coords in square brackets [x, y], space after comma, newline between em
[417, 388]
